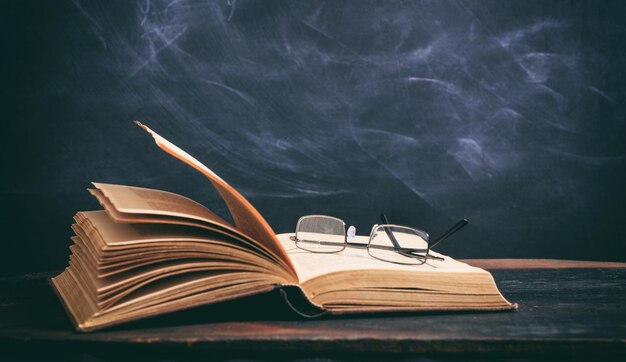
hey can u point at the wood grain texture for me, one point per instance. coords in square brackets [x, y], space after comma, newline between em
[562, 312]
[497, 264]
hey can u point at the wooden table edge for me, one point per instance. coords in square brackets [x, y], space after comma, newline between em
[502, 264]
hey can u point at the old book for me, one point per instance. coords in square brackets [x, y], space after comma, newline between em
[151, 252]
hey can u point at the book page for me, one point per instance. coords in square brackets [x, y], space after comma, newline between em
[311, 265]
[247, 219]
[114, 234]
[138, 200]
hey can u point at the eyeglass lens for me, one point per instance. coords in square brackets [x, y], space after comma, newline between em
[321, 234]
[396, 244]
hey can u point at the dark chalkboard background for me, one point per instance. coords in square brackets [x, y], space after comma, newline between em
[511, 113]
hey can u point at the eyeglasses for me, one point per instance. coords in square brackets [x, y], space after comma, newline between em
[387, 242]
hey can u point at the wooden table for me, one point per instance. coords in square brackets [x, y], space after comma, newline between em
[566, 309]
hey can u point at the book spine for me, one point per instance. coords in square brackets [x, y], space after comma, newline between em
[295, 299]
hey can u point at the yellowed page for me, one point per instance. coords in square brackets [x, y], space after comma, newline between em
[161, 209]
[311, 265]
[172, 240]
[124, 234]
[247, 219]
[139, 200]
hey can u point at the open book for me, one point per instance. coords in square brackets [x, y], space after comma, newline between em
[151, 252]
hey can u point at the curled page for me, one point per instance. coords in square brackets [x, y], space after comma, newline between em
[247, 219]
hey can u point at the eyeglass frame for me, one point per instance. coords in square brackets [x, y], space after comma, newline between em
[386, 226]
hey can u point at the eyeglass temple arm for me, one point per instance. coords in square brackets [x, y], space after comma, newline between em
[395, 243]
[456, 227]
